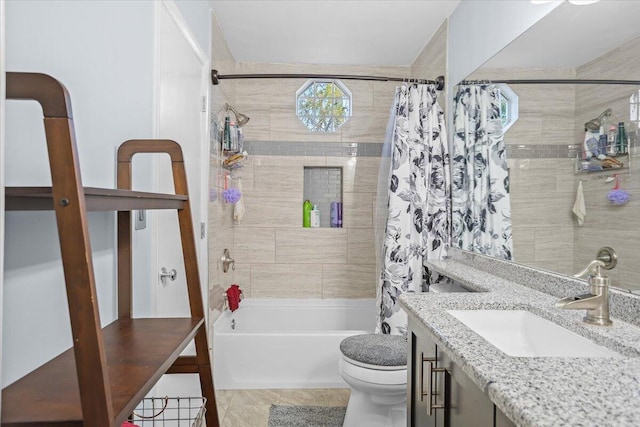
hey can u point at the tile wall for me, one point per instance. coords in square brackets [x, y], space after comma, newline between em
[220, 232]
[540, 151]
[322, 187]
[541, 147]
[607, 224]
[275, 256]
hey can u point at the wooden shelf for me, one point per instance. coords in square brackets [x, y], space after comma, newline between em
[138, 352]
[100, 381]
[96, 199]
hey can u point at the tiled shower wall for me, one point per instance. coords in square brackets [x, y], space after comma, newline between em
[275, 256]
[220, 233]
[606, 224]
[323, 186]
[540, 152]
[541, 147]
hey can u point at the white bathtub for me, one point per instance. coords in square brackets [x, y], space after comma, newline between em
[286, 343]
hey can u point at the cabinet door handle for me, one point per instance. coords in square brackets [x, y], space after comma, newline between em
[429, 394]
[432, 405]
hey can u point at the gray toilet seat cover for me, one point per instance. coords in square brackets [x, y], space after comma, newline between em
[376, 349]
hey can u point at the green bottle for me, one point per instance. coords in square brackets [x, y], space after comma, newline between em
[306, 214]
[621, 141]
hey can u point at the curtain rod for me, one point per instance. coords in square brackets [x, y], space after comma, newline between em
[215, 78]
[555, 81]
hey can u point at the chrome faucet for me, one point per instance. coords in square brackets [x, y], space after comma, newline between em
[597, 301]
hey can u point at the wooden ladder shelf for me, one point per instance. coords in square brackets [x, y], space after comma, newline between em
[108, 371]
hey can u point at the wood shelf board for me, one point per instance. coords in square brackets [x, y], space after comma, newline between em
[138, 353]
[96, 199]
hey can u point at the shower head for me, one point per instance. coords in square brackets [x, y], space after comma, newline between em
[597, 122]
[241, 119]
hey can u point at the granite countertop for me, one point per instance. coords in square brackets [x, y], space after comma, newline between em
[535, 391]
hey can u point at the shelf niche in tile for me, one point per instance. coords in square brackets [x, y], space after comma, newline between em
[323, 185]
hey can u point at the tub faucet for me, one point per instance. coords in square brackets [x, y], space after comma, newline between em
[596, 302]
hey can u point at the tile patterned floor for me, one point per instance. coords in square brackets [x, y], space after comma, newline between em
[250, 408]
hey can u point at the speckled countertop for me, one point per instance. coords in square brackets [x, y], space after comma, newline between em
[536, 391]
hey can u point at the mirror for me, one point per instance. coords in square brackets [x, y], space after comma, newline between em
[544, 146]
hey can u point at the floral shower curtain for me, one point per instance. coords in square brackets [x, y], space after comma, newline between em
[481, 217]
[418, 194]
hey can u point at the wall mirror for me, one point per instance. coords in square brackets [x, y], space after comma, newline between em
[596, 41]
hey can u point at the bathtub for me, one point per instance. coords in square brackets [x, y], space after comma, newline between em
[286, 343]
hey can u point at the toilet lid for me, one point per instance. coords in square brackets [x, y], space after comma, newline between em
[376, 349]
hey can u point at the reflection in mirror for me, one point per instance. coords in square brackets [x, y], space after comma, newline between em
[549, 174]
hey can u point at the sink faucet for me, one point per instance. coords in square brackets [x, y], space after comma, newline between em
[596, 302]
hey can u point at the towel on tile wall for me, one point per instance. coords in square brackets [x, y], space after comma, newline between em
[238, 208]
[579, 209]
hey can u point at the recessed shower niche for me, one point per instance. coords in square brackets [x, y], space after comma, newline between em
[323, 188]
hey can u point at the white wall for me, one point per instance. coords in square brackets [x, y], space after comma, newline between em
[480, 29]
[2, 97]
[103, 51]
[197, 15]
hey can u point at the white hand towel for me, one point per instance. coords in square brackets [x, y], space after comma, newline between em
[579, 209]
[238, 208]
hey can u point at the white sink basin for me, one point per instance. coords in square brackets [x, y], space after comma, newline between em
[523, 334]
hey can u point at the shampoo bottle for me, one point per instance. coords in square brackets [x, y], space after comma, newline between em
[315, 217]
[306, 214]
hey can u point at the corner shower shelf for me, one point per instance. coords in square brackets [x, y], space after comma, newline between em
[108, 371]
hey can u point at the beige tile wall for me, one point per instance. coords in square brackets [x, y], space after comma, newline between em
[220, 224]
[275, 256]
[432, 60]
[271, 103]
[606, 224]
[542, 190]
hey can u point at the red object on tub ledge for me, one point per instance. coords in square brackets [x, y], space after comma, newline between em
[234, 295]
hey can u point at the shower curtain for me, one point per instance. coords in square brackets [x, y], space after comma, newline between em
[481, 217]
[415, 201]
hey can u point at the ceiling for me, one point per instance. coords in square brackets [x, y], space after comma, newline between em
[572, 35]
[349, 32]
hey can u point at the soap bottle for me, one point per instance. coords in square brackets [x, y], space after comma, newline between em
[611, 141]
[621, 139]
[226, 137]
[306, 214]
[315, 217]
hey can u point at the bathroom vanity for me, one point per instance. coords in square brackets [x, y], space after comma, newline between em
[459, 378]
[440, 393]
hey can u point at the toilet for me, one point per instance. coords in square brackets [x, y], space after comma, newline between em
[375, 367]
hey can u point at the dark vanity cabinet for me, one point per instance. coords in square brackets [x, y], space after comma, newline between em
[440, 394]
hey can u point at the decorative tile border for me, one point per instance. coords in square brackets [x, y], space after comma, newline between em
[542, 151]
[331, 149]
[374, 149]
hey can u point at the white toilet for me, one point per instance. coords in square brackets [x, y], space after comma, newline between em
[375, 367]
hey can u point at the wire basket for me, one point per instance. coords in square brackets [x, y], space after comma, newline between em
[170, 412]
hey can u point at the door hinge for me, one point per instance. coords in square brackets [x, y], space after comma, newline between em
[203, 230]
[204, 103]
